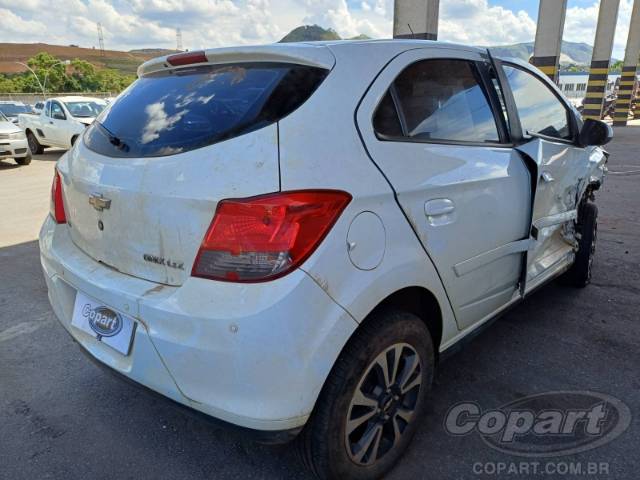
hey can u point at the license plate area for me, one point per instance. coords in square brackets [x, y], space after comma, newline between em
[103, 323]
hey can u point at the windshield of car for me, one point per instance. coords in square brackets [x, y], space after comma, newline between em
[3, 118]
[85, 109]
[13, 109]
[177, 111]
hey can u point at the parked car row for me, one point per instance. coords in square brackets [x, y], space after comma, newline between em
[13, 142]
[56, 122]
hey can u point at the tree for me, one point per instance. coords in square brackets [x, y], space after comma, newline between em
[616, 66]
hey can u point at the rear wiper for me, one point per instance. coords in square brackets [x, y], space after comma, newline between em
[114, 140]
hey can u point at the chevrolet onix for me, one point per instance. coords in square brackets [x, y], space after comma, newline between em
[288, 237]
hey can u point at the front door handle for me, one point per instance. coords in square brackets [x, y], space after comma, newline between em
[438, 207]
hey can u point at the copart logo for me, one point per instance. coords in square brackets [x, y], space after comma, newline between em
[102, 320]
[549, 424]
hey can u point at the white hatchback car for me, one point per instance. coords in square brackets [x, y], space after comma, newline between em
[289, 237]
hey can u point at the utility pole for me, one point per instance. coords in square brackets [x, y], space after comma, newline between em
[546, 50]
[100, 39]
[629, 67]
[602, 48]
[416, 19]
[178, 39]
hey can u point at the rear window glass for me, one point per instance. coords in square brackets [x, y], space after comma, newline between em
[85, 109]
[174, 112]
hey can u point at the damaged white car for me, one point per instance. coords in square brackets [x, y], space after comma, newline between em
[288, 237]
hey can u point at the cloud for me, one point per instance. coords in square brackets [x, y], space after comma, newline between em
[15, 26]
[580, 25]
[129, 24]
[476, 22]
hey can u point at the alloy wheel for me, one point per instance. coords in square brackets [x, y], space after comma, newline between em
[383, 404]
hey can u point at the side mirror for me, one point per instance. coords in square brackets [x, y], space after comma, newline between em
[595, 132]
[59, 116]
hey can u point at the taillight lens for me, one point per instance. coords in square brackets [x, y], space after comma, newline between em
[187, 58]
[57, 204]
[261, 238]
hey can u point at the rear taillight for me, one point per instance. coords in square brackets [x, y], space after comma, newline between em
[261, 238]
[57, 204]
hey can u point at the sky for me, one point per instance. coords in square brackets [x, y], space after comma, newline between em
[130, 24]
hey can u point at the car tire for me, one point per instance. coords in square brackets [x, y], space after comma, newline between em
[34, 145]
[357, 388]
[580, 272]
[24, 160]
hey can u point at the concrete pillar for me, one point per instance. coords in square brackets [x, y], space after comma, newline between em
[546, 50]
[629, 67]
[599, 71]
[416, 19]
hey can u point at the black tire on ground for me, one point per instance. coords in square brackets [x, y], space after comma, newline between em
[580, 272]
[374, 445]
[34, 145]
[24, 160]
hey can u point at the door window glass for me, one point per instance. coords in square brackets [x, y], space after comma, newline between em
[56, 111]
[539, 109]
[441, 100]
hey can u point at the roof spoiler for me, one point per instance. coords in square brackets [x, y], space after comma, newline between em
[299, 53]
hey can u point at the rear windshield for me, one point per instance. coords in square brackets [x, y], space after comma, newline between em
[12, 109]
[174, 112]
[85, 109]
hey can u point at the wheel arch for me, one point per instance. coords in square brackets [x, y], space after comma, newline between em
[419, 301]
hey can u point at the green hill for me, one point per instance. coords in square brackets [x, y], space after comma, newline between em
[315, 33]
[310, 33]
[571, 53]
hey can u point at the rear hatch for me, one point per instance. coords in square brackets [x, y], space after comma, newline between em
[142, 187]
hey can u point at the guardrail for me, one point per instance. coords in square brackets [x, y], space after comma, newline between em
[32, 98]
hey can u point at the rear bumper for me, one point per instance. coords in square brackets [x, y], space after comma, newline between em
[13, 148]
[253, 355]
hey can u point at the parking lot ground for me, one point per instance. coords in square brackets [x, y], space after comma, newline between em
[61, 417]
[23, 199]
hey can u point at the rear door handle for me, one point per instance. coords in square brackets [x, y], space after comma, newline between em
[438, 207]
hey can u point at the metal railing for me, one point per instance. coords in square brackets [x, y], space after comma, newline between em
[32, 98]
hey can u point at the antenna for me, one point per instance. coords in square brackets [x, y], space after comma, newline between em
[100, 39]
[411, 30]
[178, 39]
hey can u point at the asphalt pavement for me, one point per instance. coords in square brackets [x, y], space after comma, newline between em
[62, 417]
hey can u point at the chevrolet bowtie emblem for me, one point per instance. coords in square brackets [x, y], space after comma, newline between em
[98, 202]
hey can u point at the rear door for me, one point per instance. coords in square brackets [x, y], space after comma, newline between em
[433, 123]
[549, 131]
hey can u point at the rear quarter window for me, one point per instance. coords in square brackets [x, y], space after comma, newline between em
[181, 110]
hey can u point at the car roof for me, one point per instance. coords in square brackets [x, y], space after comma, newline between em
[406, 43]
[74, 98]
[11, 102]
[316, 53]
